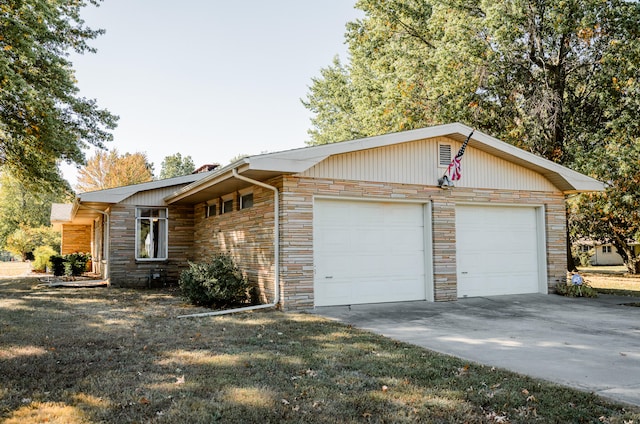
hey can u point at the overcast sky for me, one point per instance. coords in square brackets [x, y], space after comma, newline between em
[209, 78]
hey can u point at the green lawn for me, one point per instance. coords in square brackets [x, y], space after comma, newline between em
[121, 356]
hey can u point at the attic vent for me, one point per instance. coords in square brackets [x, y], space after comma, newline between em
[444, 154]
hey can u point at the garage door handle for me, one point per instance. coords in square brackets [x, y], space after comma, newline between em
[464, 272]
[329, 276]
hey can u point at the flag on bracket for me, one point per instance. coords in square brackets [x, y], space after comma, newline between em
[454, 170]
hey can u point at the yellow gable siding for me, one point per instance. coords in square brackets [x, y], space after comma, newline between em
[417, 163]
[151, 197]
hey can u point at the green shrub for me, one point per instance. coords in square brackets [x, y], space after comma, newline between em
[42, 255]
[76, 263]
[572, 290]
[73, 264]
[218, 284]
[57, 265]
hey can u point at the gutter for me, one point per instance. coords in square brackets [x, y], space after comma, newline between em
[276, 250]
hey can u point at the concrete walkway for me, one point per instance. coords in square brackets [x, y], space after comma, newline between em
[589, 344]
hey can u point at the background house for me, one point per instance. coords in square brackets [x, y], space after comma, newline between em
[361, 221]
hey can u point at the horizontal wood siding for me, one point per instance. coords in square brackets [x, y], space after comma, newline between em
[75, 238]
[417, 163]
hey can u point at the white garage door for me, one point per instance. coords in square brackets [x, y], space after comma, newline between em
[368, 252]
[497, 250]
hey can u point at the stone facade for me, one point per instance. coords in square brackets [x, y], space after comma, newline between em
[126, 271]
[248, 234]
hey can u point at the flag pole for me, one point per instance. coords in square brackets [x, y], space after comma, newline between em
[454, 170]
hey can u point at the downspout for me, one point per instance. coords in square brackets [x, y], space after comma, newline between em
[106, 237]
[276, 249]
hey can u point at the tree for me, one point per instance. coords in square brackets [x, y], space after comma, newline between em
[110, 169]
[559, 79]
[541, 75]
[23, 205]
[43, 120]
[24, 240]
[176, 166]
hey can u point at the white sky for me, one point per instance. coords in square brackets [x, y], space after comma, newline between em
[209, 78]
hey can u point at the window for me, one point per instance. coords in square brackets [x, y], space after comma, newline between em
[210, 210]
[606, 249]
[584, 248]
[151, 233]
[246, 201]
[227, 206]
[444, 154]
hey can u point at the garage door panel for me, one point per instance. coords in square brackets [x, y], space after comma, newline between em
[497, 250]
[368, 252]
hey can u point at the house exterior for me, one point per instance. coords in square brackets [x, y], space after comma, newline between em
[603, 254]
[361, 221]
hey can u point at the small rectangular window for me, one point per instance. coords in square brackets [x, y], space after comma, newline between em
[246, 201]
[606, 249]
[227, 206]
[210, 210]
[444, 154]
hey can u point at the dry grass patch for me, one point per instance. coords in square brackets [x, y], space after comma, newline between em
[612, 280]
[118, 356]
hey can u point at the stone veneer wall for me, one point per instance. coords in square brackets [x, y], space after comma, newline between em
[124, 270]
[76, 238]
[297, 229]
[248, 234]
[245, 234]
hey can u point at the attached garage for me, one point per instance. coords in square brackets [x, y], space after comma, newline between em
[500, 250]
[368, 252]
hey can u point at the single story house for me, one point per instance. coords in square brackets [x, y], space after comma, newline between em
[603, 254]
[360, 221]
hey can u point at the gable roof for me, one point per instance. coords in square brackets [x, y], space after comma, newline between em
[262, 167]
[87, 206]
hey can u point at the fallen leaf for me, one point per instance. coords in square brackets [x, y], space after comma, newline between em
[525, 391]
[284, 402]
[144, 401]
[180, 380]
[384, 388]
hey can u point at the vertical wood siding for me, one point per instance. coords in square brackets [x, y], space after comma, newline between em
[417, 163]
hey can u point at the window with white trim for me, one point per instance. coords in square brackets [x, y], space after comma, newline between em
[444, 154]
[151, 234]
[226, 205]
[245, 199]
[606, 249]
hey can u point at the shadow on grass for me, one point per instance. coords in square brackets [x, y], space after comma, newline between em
[119, 355]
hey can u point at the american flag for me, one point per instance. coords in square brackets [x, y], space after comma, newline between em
[454, 169]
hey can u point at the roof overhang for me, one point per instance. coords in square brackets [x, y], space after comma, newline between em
[265, 166]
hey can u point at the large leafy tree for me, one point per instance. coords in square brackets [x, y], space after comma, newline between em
[559, 78]
[176, 166]
[43, 120]
[23, 206]
[110, 169]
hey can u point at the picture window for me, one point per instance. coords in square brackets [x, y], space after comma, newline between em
[151, 233]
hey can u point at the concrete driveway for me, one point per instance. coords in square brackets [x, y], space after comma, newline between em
[589, 344]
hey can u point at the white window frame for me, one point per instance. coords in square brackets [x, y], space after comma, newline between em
[163, 239]
[607, 249]
[207, 208]
[223, 201]
[241, 198]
